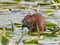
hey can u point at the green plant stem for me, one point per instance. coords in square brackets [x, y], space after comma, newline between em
[37, 28]
[4, 34]
[12, 26]
[55, 31]
[20, 39]
[31, 28]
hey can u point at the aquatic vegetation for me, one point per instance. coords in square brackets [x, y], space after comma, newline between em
[51, 15]
[5, 41]
[17, 0]
[7, 29]
[57, 1]
[1, 28]
[10, 34]
[34, 41]
[17, 24]
[8, 3]
[49, 35]
[0, 38]
[50, 11]
[23, 34]
[12, 25]
[50, 25]
[36, 24]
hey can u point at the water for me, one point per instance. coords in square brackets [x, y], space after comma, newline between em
[48, 41]
[15, 17]
[17, 37]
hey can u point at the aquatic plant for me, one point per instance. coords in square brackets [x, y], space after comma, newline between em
[8, 3]
[18, 25]
[17, 42]
[12, 25]
[5, 41]
[57, 1]
[50, 25]
[0, 39]
[34, 41]
[49, 35]
[17, 0]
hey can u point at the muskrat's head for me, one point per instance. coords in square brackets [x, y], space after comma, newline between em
[27, 22]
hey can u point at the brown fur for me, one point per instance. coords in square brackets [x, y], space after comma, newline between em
[34, 19]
